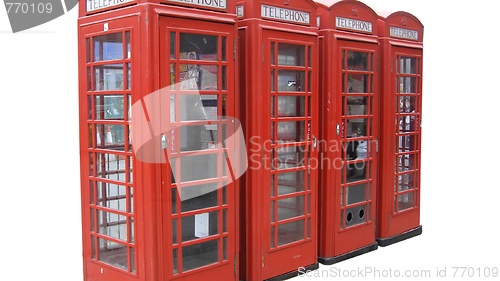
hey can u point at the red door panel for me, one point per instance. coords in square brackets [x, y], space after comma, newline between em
[358, 136]
[290, 181]
[199, 196]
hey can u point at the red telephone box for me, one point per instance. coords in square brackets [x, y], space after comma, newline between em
[401, 39]
[158, 201]
[278, 76]
[349, 100]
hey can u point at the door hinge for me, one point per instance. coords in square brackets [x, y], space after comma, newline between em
[235, 265]
[234, 50]
[262, 257]
[262, 52]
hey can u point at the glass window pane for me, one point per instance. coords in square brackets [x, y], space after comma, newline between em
[290, 207]
[273, 80]
[111, 166]
[407, 65]
[290, 232]
[108, 77]
[291, 81]
[290, 157]
[198, 47]
[224, 48]
[112, 225]
[127, 40]
[109, 107]
[356, 105]
[175, 269]
[198, 167]
[406, 201]
[199, 255]
[290, 182]
[290, 54]
[357, 83]
[407, 85]
[273, 53]
[292, 131]
[407, 104]
[199, 77]
[201, 196]
[406, 143]
[356, 127]
[405, 181]
[172, 45]
[200, 226]
[113, 253]
[291, 106]
[356, 193]
[87, 51]
[110, 137]
[112, 196]
[108, 47]
[357, 60]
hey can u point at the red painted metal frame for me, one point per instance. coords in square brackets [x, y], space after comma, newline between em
[143, 22]
[337, 243]
[394, 226]
[258, 261]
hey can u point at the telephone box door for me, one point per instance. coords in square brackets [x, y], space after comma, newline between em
[358, 138]
[198, 94]
[291, 178]
[405, 143]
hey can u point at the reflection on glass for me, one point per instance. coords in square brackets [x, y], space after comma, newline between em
[291, 106]
[357, 60]
[290, 54]
[108, 47]
[291, 81]
[199, 77]
[110, 136]
[108, 77]
[272, 107]
[290, 232]
[406, 162]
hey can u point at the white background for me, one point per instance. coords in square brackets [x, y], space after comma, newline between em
[40, 230]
